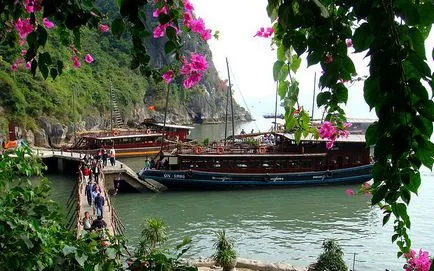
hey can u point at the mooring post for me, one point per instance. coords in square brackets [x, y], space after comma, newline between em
[354, 261]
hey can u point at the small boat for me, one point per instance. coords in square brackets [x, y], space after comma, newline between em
[272, 116]
[133, 142]
[277, 161]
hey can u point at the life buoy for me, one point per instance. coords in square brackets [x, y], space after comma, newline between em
[115, 133]
[148, 131]
[220, 150]
[262, 150]
[198, 150]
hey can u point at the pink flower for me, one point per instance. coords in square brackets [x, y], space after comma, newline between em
[197, 26]
[187, 5]
[349, 42]
[188, 18]
[198, 62]
[75, 62]
[47, 23]
[327, 130]
[103, 28]
[348, 124]
[28, 65]
[33, 5]
[23, 52]
[159, 11]
[88, 58]
[329, 58]
[168, 76]
[366, 186]
[329, 144]
[159, 30]
[21, 42]
[14, 67]
[349, 192]
[23, 27]
[264, 32]
[20, 61]
[419, 262]
[192, 80]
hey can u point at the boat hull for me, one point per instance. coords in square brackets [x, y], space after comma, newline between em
[200, 180]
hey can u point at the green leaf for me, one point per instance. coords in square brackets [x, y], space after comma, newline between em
[80, 259]
[42, 36]
[299, 43]
[418, 89]
[117, 27]
[362, 38]
[426, 109]
[68, 250]
[277, 67]
[313, 58]
[405, 195]
[379, 194]
[371, 91]
[424, 125]
[34, 67]
[53, 73]
[401, 210]
[394, 237]
[281, 53]
[297, 136]
[419, 64]
[323, 97]
[295, 63]
[341, 93]
[59, 67]
[293, 91]
[417, 42]
[164, 18]
[111, 253]
[26, 240]
[171, 33]
[169, 47]
[386, 219]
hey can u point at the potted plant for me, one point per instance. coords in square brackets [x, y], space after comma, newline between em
[225, 254]
[331, 259]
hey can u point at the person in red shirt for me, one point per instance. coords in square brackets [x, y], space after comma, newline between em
[86, 174]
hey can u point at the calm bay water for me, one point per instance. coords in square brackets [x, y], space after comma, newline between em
[285, 225]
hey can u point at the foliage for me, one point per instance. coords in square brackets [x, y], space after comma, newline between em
[392, 33]
[205, 142]
[225, 254]
[154, 234]
[331, 259]
[252, 142]
[151, 255]
[32, 233]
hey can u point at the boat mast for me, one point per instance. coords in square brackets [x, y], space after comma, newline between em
[313, 97]
[232, 103]
[275, 108]
[164, 122]
[226, 115]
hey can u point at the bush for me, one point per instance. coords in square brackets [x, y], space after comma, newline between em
[225, 254]
[331, 258]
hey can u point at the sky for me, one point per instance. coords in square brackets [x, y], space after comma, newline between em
[251, 58]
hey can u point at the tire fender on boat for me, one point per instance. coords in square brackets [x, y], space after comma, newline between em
[262, 150]
[220, 150]
[328, 174]
[148, 131]
[198, 149]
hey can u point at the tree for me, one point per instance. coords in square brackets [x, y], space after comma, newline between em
[392, 33]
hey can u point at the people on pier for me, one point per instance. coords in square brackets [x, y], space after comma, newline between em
[252, 131]
[243, 132]
[86, 174]
[98, 224]
[104, 157]
[99, 204]
[88, 192]
[112, 157]
[87, 221]
[147, 164]
[117, 183]
[96, 170]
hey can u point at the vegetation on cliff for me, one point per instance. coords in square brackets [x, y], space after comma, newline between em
[24, 98]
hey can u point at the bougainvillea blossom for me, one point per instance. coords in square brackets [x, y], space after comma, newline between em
[187, 5]
[75, 62]
[151, 108]
[28, 65]
[159, 11]
[33, 5]
[349, 42]
[103, 28]
[168, 76]
[349, 192]
[264, 32]
[23, 27]
[47, 23]
[417, 262]
[88, 58]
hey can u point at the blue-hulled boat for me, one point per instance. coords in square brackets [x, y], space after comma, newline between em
[280, 163]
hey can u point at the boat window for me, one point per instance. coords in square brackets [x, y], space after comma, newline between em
[307, 164]
[293, 164]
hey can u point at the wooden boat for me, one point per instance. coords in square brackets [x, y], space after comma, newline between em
[132, 142]
[277, 162]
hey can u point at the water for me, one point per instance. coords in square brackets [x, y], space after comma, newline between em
[285, 225]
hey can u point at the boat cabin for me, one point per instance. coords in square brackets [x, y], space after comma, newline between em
[172, 132]
[96, 141]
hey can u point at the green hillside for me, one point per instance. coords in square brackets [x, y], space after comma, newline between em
[24, 99]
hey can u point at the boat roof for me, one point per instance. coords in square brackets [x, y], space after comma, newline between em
[123, 136]
[174, 126]
[349, 138]
[253, 155]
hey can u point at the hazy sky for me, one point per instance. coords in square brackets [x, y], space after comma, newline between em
[251, 58]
